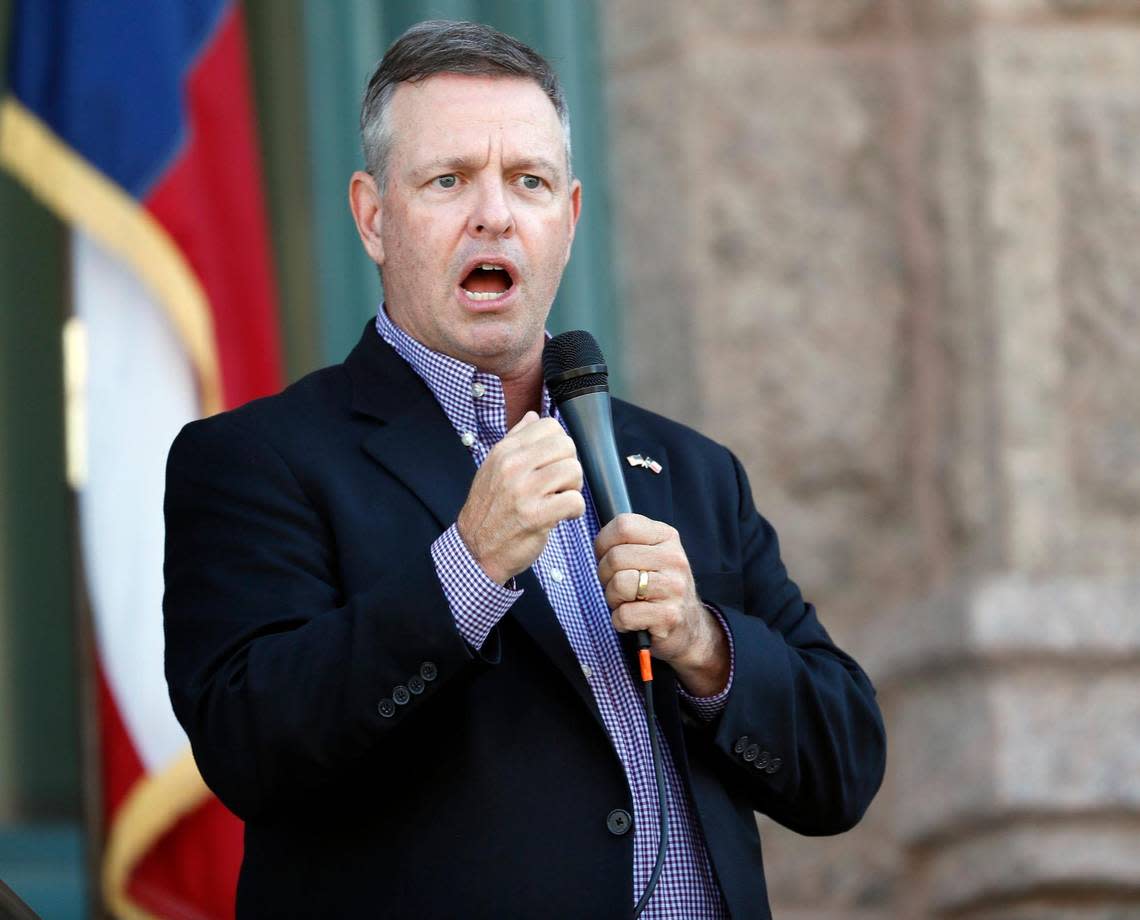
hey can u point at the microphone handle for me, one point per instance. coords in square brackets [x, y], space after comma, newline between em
[591, 425]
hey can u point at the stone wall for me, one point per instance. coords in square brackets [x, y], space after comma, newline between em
[885, 250]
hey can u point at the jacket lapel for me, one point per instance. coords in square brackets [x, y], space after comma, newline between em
[414, 442]
[534, 614]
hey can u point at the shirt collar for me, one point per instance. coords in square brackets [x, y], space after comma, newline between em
[450, 380]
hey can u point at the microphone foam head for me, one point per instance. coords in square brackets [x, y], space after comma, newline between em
[572, 352]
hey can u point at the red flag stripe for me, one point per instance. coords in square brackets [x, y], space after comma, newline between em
[211, 203]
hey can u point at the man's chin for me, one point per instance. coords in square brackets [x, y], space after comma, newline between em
[495, 346]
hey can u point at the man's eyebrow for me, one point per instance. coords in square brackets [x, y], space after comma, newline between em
[467, 163]
[536, 164]
[446, 163]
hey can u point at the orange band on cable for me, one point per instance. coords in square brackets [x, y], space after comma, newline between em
[646, 664]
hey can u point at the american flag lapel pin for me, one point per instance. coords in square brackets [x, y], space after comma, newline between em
[646, 463]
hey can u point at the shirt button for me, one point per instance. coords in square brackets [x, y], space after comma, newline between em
[477, 390]
[468, 438]
[386, 708]
[587, 671]
[400, 695]
[557, 575]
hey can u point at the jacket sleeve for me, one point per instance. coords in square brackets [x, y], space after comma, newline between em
[801, 726]
[280, 681]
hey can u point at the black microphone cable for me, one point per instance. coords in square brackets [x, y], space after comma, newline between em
[646, 662]
[578, 380]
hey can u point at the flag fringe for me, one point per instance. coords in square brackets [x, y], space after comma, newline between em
[153, 806]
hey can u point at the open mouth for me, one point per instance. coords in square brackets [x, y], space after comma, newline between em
[487, 282]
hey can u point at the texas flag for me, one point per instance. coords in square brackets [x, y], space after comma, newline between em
[132, 121]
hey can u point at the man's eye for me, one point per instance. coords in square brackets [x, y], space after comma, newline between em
[533, 183]
[446, 181]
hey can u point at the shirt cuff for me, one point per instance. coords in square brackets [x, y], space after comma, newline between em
[477, 603]
[708, 708]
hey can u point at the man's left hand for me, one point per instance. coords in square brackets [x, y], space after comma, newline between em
[683, 631]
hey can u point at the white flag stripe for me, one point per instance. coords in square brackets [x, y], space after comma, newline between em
[140, 391]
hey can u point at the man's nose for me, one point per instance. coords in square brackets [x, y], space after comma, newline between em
[492, 215]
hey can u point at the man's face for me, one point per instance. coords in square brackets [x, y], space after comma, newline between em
[477, 218]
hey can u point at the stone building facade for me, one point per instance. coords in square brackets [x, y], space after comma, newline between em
[887, 251]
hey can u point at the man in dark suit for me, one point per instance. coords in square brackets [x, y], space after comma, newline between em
[393, 621]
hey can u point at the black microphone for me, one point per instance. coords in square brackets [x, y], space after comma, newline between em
[578, 381]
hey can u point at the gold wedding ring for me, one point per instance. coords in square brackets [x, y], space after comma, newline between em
[642, 585]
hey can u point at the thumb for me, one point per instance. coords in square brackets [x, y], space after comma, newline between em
[528, 419]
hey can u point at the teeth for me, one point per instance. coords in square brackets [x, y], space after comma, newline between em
[484, 295]
[491, 268]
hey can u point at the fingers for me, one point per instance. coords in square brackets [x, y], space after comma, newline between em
[530, 481]
[559, 476]
[634, 616]
[565, 506]
[669, 608]
[656, 557]
[536, 430]
[532, 446]
[659, 621]
[622, 587]
[556, 490]
[628, 557]
[632, 529]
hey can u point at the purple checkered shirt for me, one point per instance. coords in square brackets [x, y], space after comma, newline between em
[475, 405]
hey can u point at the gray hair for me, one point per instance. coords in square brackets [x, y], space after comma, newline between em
[447, 46]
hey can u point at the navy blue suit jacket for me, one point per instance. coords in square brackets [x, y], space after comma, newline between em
[300, 592]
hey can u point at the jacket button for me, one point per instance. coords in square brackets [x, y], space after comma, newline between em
[751, 752]
[416, 684]
[428, 671]
[618, 822]
[763, 760]
[400, 695]
[741, 744]
[386, 708]
[774, 765]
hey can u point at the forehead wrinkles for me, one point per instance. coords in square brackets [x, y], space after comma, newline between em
[451, 116]
[478, 141]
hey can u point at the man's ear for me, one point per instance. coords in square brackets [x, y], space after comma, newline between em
[575, 213]
[364, 201]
